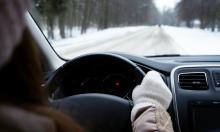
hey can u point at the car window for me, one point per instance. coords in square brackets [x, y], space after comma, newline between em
[140, 27]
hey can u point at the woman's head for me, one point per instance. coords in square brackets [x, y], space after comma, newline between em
[20, 68]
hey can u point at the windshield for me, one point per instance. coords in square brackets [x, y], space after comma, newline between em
[140, 27]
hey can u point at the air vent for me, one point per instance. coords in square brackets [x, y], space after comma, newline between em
[193, 81]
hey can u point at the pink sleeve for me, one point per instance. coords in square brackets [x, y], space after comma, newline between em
[152, 119]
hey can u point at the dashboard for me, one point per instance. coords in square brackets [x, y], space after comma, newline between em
[101, 80]
[193, 80]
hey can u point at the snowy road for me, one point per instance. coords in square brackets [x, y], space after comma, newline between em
[144, 40]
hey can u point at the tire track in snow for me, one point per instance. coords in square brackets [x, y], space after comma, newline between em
[101, 46]
[145, 41]
[91, 43]
[160, 43]
[115, 43]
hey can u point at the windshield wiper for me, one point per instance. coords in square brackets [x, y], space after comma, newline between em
[165, 55]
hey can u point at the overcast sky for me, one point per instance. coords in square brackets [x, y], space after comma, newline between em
[165, 4]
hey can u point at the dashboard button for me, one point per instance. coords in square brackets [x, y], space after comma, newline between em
[216, 76]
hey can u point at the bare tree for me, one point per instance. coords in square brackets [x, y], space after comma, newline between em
[206, 11]
[66, 14]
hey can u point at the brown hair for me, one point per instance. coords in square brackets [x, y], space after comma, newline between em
[21, 78]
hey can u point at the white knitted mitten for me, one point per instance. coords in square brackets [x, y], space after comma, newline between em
[152, 91]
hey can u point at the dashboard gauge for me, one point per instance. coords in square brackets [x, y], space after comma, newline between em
[115, 84]
[91, 83]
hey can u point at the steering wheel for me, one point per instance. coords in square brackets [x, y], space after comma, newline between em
[96, 112]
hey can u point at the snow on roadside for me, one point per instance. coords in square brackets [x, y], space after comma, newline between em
[75, 32]
[195, 41]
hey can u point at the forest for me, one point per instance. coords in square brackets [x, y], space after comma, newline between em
[207, 12]
[102, 14]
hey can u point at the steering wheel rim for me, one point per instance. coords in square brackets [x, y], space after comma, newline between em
[116, 119]
[56, 78]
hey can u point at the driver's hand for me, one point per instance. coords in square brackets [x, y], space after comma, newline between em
[151, 92]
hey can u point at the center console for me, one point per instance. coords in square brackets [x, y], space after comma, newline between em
[196, 97]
